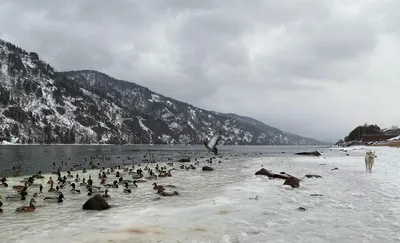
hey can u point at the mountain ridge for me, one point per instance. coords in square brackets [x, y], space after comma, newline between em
[41, 105]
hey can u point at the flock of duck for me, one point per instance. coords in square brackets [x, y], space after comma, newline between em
[113, 177]
[124, 178]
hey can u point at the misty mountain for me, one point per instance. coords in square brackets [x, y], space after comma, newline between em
[40, 105]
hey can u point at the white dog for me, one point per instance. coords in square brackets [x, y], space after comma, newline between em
[369, 160]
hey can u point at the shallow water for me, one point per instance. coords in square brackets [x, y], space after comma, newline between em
[215, 206]
[34, 158]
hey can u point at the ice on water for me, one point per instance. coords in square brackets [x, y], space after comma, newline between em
[215, 206]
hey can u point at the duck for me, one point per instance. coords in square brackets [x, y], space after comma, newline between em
[73, 190]
[39, 175]
[158, 187]
[136, 175]
[95, 189]
[126, 189]
[59, 199]
[83, 183]
[16, 198]
[90, 192]
[25, 209]
[162, 174]
[51, 189]
[106, 194]
[3, 184]
[69, 174]
[114, 185]
[19, 187]
[77, 179]
[50, 181]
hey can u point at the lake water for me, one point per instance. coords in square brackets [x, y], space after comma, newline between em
[34, 158]
[214, 206]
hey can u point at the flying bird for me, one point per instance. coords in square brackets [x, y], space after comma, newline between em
[212, 143]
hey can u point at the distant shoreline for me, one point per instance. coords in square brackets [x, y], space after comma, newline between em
[394, 144]
[146, 144]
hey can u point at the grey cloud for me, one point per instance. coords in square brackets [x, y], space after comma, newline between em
[273, 60]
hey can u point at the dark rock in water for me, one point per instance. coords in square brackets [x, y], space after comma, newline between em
[301, 209]
[293, 182]
[314, 153]
[316, 195]
[97, 202]
[336, 168]
[207, 168]
[313, 176]
[1, 203]
[263, 172]
[271, 175]
[184, 160]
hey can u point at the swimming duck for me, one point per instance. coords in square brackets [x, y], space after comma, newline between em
[83, 183]
[162, 174]
[126, 189]
[77, 179]
[25, 209]
[95, 188]
[16, 198]
[59, 199]
[114, 185]
[39, 175]
[90, 192]
[51, 189]
[19, 187]
[73, 190]
[106, 194]
[90, 181]
[69, 174]
[157, 187]
[3, 184]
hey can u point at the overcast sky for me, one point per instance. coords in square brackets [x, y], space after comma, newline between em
[316, 68]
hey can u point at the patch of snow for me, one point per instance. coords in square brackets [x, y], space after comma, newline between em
[395, 138]
[174, 126]
[155, 98]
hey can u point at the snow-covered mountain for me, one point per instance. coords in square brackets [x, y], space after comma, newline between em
[40, 105]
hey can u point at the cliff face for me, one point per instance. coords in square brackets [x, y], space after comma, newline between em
[40, 105]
